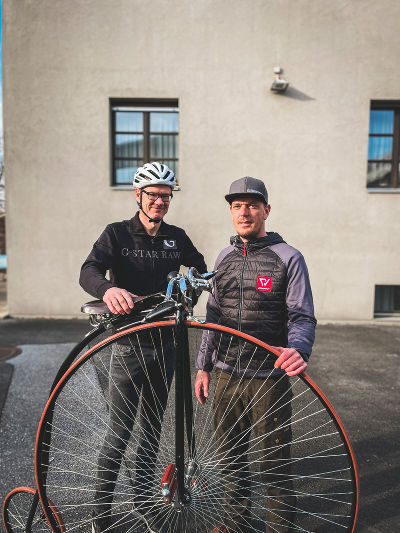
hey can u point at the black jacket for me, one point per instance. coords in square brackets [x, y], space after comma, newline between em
[137, 261]
[261, 314]
[261, 288]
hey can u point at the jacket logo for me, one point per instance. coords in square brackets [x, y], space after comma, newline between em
[264, 284]
[169, 245]
[151, 254]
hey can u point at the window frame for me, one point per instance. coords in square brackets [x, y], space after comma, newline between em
[388, 105]
[146, 106]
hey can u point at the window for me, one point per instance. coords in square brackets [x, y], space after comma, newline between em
[142, 131]
[387, 300]
[384, 145]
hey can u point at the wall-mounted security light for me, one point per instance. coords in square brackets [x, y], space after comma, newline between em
[279, 85]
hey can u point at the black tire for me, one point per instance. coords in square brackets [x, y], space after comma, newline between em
[320, 469]
[16, 510]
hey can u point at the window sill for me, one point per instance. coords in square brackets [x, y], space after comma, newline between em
[122, 187]
[384, 191]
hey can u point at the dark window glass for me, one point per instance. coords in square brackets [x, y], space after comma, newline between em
[128, 121]
[162, 146]
[128, 145]
[142, 131]
[380, 148]
[379, 174]
[381, 121]
[384, 145]
[125, 169]
[387, 300]
[164, 122]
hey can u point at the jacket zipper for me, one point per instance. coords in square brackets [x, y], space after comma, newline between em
[153, 265]
[241, 305]
[241, 288]
[153, 261]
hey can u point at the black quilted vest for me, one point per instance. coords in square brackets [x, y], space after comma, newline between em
[260, 313]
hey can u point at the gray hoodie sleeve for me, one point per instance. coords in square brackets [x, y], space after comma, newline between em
[213, 314]
[205, 356]
[299, 301]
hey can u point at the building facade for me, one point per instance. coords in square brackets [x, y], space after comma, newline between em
[93, 88]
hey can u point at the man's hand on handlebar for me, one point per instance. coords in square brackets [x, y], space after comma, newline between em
[119, 301]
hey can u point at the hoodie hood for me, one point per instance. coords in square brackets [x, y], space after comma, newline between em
[271, 238]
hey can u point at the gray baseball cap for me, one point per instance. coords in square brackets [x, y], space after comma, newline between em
[247, 186]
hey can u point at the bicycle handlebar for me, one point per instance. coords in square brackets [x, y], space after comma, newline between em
[193, 281]
[182, 289]
[187, 287]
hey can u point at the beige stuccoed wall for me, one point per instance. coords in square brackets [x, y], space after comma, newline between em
[63, 60]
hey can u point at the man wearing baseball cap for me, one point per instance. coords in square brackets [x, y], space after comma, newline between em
[261, 288]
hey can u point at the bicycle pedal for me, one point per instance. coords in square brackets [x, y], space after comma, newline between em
[169, 484]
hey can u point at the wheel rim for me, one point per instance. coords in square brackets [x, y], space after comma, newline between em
[322, 467]
[16, 510]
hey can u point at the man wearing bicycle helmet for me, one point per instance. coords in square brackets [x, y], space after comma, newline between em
[261, 288]
[138, 254]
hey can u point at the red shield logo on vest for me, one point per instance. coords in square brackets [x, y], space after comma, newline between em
[264, 284]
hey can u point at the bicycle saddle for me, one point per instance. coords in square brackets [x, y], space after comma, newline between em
[95, 307]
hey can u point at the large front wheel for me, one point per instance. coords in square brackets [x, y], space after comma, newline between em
[271, 454]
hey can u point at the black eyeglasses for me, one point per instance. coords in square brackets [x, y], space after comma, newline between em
[154, 196]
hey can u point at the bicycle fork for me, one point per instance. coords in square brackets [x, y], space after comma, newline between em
[31, 516]
[178, 478]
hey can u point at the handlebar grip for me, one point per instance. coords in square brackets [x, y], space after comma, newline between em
[209, 275]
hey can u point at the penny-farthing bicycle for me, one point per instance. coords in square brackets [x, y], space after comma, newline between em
[173, 451]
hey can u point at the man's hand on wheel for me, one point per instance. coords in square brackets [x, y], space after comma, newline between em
[201, 385]
[290, 361]
[119, 301]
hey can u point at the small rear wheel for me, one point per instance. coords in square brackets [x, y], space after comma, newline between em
[17, 507]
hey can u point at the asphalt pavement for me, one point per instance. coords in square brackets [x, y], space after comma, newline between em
[356, 366]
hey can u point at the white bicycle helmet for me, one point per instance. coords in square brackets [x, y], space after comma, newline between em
[154, 174]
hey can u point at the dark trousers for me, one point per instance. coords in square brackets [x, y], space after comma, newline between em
[135, 373]
[252, 426]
